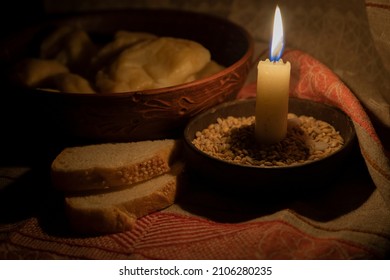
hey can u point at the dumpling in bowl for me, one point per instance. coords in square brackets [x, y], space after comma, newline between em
[70, 46]
[122, 40]
[34, 72]
[210, 69]
[70, 83]
[158, 63]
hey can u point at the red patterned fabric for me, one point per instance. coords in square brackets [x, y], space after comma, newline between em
[172, 236]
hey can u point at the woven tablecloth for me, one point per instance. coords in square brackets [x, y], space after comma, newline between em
[351, 220]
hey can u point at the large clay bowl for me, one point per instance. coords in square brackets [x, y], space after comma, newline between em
[130, 116]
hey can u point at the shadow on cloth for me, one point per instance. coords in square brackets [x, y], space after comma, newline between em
[344, 194]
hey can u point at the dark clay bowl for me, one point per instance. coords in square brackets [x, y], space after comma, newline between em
[130, 116]
[237, 178]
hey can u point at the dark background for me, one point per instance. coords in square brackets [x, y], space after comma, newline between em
[16, 14]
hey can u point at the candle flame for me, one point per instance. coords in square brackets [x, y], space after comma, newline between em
[277, 44]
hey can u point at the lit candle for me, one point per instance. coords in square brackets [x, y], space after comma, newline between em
[273, 79]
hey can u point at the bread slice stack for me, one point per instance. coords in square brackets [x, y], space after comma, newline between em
[108, 186]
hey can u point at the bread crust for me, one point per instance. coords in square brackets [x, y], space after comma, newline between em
[101, 178]
[119, 217]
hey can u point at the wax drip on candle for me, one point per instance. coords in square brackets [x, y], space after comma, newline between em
[277, 43]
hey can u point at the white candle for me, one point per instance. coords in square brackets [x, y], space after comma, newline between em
[273, 79]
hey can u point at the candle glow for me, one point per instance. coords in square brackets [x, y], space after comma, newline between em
[273, 79]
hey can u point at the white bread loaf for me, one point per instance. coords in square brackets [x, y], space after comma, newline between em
[106, 166]
[117, 211]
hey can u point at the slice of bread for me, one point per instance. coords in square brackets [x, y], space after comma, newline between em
[105, 166]
[117, 211]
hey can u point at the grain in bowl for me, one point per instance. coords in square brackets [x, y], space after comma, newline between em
[232, 139]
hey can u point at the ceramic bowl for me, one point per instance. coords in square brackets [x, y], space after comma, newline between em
[131, 116]
[238, 178]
